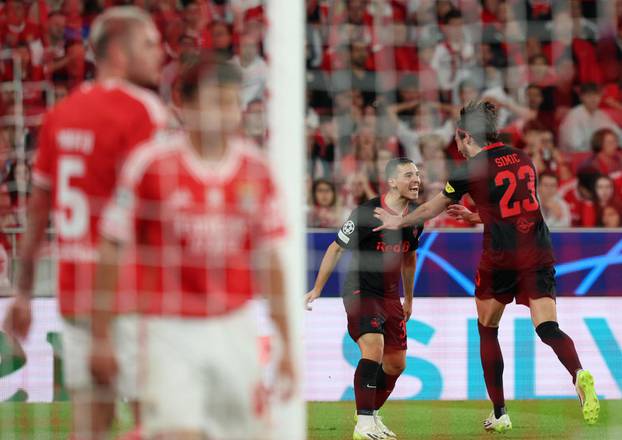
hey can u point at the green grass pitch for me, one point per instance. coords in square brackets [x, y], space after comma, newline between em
[438, 420]
[444, 420]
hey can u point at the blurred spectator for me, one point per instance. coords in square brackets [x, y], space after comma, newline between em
[313, 37]
[194, 22]
[253, 67]
[564, 43]
[540, 72]
[28, 70]
[222, 38]
[610, 55]
[363, 158]
[356, 74]
[16, 29]
[172, 35]
[398, 54]
[577, 128]
[383, 157]
[605, 198]
[254, 122]
[409, 90]
[75, 28]
[540, 145]
[426, 120]
[611, 102]
[356, 26]
[454, 56]
[54, 57]
[357, 190]
[534, 99]
[166, 12]
[426, 75]
[580, 196]
[434, 164]
[348, 111]
[555, 210]
[321, 160]
[77, 68]
[187, 50]
[610, 217]
[325, 212]
[607, 156]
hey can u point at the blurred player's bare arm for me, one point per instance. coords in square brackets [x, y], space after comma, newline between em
[19, 317]
[409, 264]
[274, 286]
[329, 261]
[103, 362]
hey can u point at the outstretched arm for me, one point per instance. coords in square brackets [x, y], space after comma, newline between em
[330, 260]
[428, 210]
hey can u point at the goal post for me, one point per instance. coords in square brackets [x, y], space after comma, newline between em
[285, 49]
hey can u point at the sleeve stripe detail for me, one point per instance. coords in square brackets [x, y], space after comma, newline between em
[343, 237]
[150, 101]
[143, 155]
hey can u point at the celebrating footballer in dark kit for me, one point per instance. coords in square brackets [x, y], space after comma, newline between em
[376, 316]
[517, 257]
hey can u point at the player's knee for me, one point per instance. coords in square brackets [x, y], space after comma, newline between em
[549, 330]
[371, 348]
[394, 367]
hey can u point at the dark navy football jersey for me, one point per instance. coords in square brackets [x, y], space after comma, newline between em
[502, 182]
[376, 256]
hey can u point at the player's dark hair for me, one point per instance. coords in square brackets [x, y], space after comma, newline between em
[598, 138]
[479, 119]
[391, 167]
[210, 67]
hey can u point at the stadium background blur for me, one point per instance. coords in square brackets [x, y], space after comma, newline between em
[384, 78]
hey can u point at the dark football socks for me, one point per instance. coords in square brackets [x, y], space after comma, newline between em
[365, 386]
[562, 345]
[492, 364]
[384, 387]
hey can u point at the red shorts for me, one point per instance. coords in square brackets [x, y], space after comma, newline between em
[507, 285]
[373, 314]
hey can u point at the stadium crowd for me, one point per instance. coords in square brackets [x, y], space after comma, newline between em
[385, 78]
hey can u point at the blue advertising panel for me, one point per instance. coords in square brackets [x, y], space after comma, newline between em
[589, 263]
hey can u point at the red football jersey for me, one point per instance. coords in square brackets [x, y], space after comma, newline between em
[194, 225]
[81, 146]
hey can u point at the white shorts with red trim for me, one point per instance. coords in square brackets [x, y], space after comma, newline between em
[203, 375]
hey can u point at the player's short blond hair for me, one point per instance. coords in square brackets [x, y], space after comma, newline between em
[116, 22]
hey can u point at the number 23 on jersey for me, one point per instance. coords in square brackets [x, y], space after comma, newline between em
[509, 207]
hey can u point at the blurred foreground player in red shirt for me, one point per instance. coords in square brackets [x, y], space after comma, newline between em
[201, 213]
[517, 257]
[82, 143]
